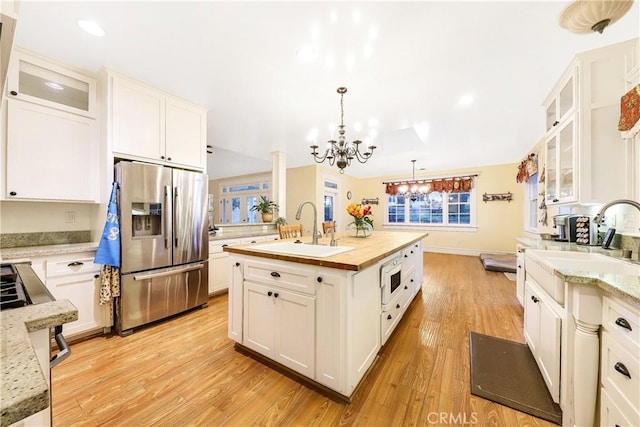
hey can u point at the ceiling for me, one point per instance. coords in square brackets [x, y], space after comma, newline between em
[405, 64]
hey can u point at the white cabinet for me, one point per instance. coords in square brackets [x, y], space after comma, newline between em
[280, 324]
[584, 155]
[51, 154]
[520, 273]
[145, 123]
[76, 278]
[236, 300]
[45, 82]
[620, 363]
[542, 328]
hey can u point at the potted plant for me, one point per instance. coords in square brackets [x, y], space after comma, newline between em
[281, 221]
[266, 208]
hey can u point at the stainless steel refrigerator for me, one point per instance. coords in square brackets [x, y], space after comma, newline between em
[164, 242]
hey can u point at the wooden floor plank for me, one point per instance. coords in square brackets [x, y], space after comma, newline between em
[185, 372]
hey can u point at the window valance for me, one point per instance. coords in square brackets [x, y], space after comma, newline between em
[527, 168]
[629, 124]
[428, 185]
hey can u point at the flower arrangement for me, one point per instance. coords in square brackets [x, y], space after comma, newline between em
[363, 223]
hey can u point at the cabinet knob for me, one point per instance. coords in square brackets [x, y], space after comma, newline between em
[397, 305]
[411, 280]
[13, 193]
[389, 317]
[406, 256]
[319, 279]
[534, 299]
[411, 251]
[269, 293]
[13, 92]
[275, 274]
[619, 366]
[162, 157]
[275, 295]
[237, 264]
[75, 264]
[622, 322]
[169, 158]
[555, 200]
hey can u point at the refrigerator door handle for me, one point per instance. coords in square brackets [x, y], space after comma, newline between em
[177, 208]
[167, 226]
[147, 276]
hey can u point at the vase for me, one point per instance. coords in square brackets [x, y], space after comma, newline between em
[267, 217]
[359, 229]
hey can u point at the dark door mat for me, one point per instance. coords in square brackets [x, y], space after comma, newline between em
[506, 372]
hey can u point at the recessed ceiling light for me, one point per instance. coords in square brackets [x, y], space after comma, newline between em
[91, 28]
[54, 85]
[466, 99]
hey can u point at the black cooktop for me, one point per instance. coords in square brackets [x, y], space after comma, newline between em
[12, 293]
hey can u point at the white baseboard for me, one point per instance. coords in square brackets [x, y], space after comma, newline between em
[462, 251]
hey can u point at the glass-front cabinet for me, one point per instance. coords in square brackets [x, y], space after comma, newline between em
[561, 105]
[36, 80]
[560, 148]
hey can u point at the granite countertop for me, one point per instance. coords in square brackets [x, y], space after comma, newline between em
[622, 286]
[367, 251]
[239, 233]
[24, 387]
[13, 254]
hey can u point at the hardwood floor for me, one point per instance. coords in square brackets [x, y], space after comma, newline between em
[186, 372]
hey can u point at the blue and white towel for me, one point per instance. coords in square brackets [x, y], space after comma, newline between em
[108, 252]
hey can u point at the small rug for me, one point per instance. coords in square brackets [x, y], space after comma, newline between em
[511, 276]
[506, 372]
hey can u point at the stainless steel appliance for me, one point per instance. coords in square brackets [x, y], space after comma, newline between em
[19, 287]
[561, 224]
[164, 241]
[390, 279]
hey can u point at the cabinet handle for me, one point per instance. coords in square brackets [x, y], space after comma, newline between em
[406, 256]
[556, 123]
[169, 158]
[253, 241]
[269, 293]
[14, 93]
[619, 366]
[224, 246]
[406, 287]
[75, 264]
[411, 251]
[13, 193]
[397, 305]
[237, 264]
[411, 280]
[534, 299]
[275, 295]
[275, 274]
[555, 200]
[319, 279]
[162, 157]
[622, 322]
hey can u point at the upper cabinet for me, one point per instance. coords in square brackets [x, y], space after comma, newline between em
[585, 156]
[145, 123]
[43, 82]
[52, 139]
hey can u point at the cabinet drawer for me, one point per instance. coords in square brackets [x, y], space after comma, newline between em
[286, 276]
[390, 317]
[217, 246]
[613, 415]
[67, 266]
[616, 362]
[622, 323]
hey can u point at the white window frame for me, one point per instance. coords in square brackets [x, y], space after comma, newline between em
[225, 198]
[531, 201]
[333, 192]
[445, 226]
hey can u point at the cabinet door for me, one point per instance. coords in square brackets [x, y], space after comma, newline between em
[186, 133]
[531, 318]
[549, 349]
[236, 306]
[561, 163]
[219, 272]
[259, 318]
[51, 154]
[137, 119]
[295, 331]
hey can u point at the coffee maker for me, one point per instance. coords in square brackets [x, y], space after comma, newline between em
[561, 224]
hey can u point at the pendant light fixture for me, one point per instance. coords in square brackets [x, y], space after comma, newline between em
[412, 190]
[586, 16]
[342, 152]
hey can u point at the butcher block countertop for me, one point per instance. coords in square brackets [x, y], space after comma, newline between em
[367, 251]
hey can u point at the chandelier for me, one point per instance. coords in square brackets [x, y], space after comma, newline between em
[412, 189]
[342, 152]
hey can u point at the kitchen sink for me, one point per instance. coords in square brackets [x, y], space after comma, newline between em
[303, 249]
[587, 262]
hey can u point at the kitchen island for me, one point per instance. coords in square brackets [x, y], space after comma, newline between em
[323, 318]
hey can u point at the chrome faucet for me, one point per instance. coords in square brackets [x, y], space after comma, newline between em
[333, 242]
[314, 240]
[600, 214]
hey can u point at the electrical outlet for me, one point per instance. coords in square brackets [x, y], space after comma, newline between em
[70, 216]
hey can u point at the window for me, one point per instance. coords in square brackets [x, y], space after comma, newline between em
[433, 209]
[329, 200]
[237, 200]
